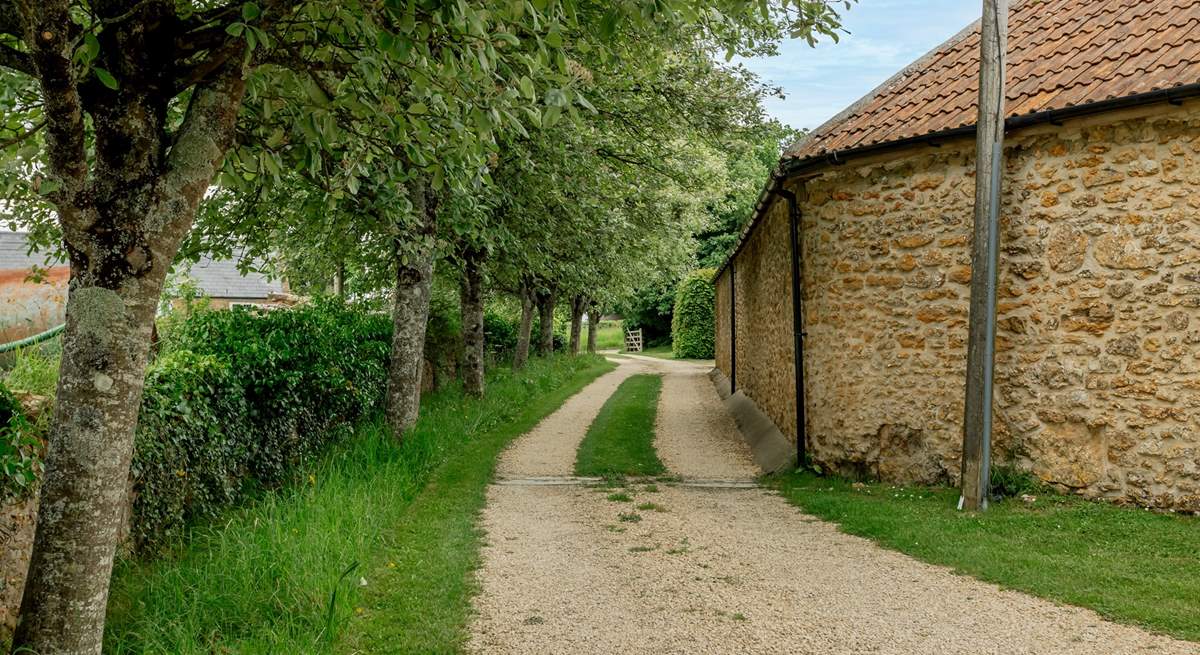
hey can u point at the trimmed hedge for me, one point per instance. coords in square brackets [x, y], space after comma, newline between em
[693, 328]
[238, 398]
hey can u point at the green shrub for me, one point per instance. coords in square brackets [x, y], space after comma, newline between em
[649, 310]
[193, 445]
[20, 449]
[500, 333]
[443, 332]
[693, 327]
[242, 397]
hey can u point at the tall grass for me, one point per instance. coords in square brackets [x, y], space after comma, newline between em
[34, 369]
[610, 335]
[306, 569]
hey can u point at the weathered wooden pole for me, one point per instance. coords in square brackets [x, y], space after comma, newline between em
[981, 343]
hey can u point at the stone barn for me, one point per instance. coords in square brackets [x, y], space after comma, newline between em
[1098, 335]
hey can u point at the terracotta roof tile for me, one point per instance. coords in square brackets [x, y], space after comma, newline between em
[1062, 53]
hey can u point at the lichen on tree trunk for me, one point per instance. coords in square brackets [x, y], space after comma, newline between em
[410, 312]
[546, 299]
[471, 304]
[104, 351]
[593, 326]
[578, 302]
[122, 223]
[523, 333]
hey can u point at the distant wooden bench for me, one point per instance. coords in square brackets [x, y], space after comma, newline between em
[633, 341]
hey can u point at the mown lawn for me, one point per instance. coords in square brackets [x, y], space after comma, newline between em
[660, 352]
[370, 550]
[620, 441]
[610, 335]
[1129, 565]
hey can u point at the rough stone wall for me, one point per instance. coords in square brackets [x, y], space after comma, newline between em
[1098, 364]
[885, 282]
[763, 297]
[722, 322]
[1099, 375]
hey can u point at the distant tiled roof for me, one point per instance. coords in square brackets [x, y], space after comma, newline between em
[221, 279]
[1061, 54]
[216, 278]
[13, 256]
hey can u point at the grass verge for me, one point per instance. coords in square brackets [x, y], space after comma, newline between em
[621, 440]
[610, 335]
[1129, 565]
[660, 352]
[370, 551]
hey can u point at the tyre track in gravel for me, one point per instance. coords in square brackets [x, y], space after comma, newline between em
[726, 570]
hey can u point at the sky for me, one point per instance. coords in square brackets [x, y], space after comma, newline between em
[884, 37]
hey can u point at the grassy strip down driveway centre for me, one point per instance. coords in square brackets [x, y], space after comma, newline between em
[1129, 565]
[620, 441]
[370, 551]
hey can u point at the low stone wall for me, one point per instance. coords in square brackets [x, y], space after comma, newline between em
[1098, 368]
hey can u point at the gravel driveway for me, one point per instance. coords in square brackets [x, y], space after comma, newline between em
[566, 570]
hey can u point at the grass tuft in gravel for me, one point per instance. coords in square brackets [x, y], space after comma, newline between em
[1129, 565]
[620, 441]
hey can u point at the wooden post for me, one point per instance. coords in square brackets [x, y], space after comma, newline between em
[981, 343]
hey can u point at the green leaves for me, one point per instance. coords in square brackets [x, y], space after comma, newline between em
[20, 448]
[527, 88]
[106, 78]
[240, 395]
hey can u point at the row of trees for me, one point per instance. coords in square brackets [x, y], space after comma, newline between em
[558, 150]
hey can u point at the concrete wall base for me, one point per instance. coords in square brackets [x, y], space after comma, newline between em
[771, 450]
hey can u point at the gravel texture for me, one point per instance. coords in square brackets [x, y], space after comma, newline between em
[695, 436]
[549, 448]
[729, 570]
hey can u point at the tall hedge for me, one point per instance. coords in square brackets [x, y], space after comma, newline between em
[693, 328]
[238, 398]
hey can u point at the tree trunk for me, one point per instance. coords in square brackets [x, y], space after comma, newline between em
[410, 315]
[523, 334]
[339, 280]
[471, 303]
[577, 304]
[121, 235]
[546, 301]
[593, 326]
